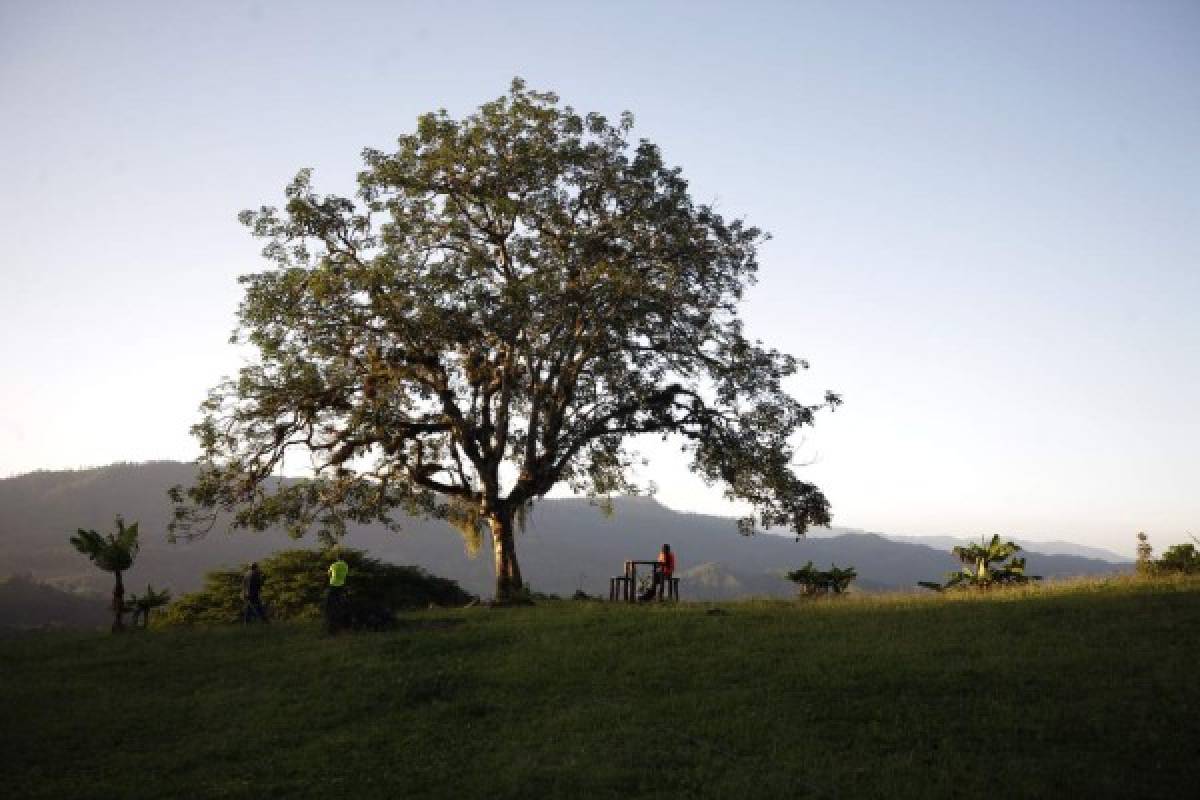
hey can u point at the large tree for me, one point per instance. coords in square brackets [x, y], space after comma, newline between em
[509, 298]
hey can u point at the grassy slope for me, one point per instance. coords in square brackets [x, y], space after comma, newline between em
[1088, 691]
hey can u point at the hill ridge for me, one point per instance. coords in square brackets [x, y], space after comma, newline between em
[569, 544]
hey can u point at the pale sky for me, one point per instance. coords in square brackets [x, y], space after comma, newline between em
[986, 220]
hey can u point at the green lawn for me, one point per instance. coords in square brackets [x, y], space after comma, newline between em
[1088, 691]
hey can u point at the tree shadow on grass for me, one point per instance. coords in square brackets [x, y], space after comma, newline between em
[417, 625]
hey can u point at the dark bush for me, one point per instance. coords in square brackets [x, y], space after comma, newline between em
[295, 584]
[812, 581]
[1179, 559]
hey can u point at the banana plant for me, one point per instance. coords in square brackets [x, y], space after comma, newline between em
[807, 579]
[839, 579]
[812, 581]
[142, 605]
[113, 553]
[984, 567]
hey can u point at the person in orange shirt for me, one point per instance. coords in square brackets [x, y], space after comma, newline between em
[664, 569]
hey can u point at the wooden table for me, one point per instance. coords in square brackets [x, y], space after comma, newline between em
[624, 587]
[631, 576]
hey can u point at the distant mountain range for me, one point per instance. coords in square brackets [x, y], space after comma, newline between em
[568, 545]
[1052, 548]
[26, 604]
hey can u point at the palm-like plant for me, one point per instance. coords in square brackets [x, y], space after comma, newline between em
[807, 578]
[113, 553]
[984, 567]
[983, 556]
[813, 581]
[840, 578]
[142, 605]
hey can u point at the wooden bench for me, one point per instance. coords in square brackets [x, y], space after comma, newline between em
[620, 587]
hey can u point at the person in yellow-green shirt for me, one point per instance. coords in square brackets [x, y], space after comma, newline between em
[335, 599]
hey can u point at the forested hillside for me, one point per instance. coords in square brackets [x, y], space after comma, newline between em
[568, 545]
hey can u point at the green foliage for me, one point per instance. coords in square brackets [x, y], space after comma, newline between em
[813, 581]
[509, 298]
[1179, 558]
[984, 567]
[142, 605]
[113, 553]
[295, 583]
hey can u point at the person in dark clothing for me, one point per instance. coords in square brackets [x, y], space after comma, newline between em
[252, 583]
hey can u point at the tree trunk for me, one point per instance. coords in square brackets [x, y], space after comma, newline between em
[508, 572]
[118, 604]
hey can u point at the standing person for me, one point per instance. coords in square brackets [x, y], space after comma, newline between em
[252, 583]
[664, 569]
[335, 600]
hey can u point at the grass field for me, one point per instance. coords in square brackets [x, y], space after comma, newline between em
[1086, 690]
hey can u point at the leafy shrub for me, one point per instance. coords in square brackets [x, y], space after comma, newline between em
[140, 605]
[812, 581]
[984, 567]
[1179, 559]
[295, 583]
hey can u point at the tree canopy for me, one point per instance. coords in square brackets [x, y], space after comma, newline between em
[1178, 558]
[507, 300]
